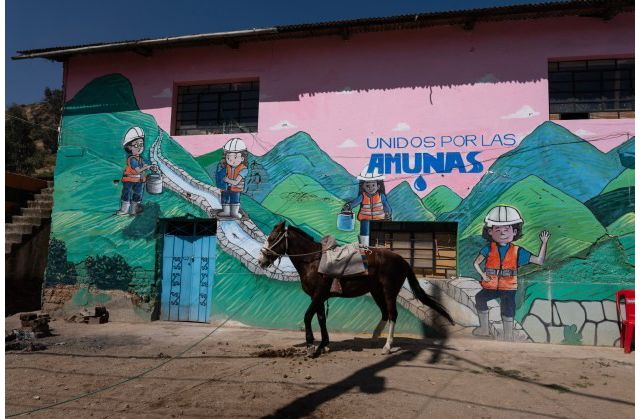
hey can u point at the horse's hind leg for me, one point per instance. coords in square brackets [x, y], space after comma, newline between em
[322, 319]
[382, 305]
[393, 316]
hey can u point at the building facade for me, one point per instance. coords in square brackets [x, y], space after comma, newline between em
[496, 154]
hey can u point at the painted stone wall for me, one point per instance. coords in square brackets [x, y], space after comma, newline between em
[455, 148]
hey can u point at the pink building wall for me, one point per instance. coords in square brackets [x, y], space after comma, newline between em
[440, 81]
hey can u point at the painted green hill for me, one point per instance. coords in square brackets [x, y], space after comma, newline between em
[89, 166]
[208, 159]
[299, 154]
[266, 220]
[551, 153]
[624, 229]
[592, 278]
[406, 205]
[441, 200]
[572, 226]
[609, 206]
[305, 202]
[626, 179]
[625, 152]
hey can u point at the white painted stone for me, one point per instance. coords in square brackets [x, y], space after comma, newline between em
[556, 334]
[571, 312]
[535, 329]
[606, 333]
[588, 333]
[594, 310]
[542, 309]
[609, 307]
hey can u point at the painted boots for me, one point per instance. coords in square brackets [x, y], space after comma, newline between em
[483, 329]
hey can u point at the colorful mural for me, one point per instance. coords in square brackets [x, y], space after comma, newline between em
[574, 197]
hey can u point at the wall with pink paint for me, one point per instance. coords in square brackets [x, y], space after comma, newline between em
[426, 82]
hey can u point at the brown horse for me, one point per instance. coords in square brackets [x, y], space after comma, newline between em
[386, 274]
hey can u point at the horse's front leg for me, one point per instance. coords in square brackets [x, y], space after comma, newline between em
[322, 319]
[308, 331]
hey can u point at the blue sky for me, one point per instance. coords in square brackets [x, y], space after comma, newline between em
[32, 24]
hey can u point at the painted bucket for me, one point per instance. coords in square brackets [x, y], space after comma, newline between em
[346, 221]
[154, 184]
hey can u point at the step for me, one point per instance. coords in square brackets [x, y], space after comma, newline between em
[37, 212]
[46, 191]
[7, 247]
[27, 219]
[40, 204]
[13, 237]
[43, 198]
[18, 228]
[50, 183]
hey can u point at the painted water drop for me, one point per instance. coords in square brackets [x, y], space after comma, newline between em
[420, 184]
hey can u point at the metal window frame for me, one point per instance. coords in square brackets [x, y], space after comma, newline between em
[195, 124]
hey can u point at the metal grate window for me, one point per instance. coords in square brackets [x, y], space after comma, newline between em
[221, 108]
[429, 247]
[588, 89]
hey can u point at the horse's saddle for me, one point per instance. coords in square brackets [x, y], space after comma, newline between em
[338, 261]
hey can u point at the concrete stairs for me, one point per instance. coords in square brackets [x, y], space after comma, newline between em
[31, 217]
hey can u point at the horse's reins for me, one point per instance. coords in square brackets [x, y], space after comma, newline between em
[269, 250]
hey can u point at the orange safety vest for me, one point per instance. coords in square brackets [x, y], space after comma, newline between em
[233, 173]
[130, 174]
[502, 276]
[371, 208]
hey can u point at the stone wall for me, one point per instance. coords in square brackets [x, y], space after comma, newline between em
[585, 322]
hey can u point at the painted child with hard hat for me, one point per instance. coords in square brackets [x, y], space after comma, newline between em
[503, 226]
[230, 175]
[372, 200]
[133, 178]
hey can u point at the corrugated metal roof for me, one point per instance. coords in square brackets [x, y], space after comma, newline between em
[605, 9]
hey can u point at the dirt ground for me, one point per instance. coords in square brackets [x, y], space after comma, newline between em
[142, 370]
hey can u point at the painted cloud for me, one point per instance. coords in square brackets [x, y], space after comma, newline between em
[282, 125]
[402, 126]
[348, 143]
[525, 112]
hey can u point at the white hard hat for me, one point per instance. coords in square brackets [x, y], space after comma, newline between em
[502, 215]
[367, 174]
[235, 145]
[134, 133]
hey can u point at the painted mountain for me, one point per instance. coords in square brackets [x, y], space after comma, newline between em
[553, 154]
[441, 200]
[572, 226]
[406, 205]
[299, 154]
[616, 199]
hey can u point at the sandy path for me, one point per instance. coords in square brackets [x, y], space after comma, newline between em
[225, 376]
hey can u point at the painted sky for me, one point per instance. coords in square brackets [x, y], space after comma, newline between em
[42, 24]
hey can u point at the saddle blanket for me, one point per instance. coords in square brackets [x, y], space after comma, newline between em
[341, 260]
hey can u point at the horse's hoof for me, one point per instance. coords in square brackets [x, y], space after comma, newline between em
[326, 350]
[386, 350]
[311, 350]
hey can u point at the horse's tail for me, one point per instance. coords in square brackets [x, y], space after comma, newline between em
[424, 297]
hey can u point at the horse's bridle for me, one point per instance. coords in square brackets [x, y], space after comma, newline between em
[268, 251]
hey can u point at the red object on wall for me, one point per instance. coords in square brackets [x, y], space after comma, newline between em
[627, 325]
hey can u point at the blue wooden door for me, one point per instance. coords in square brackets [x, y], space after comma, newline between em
[188, 268]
